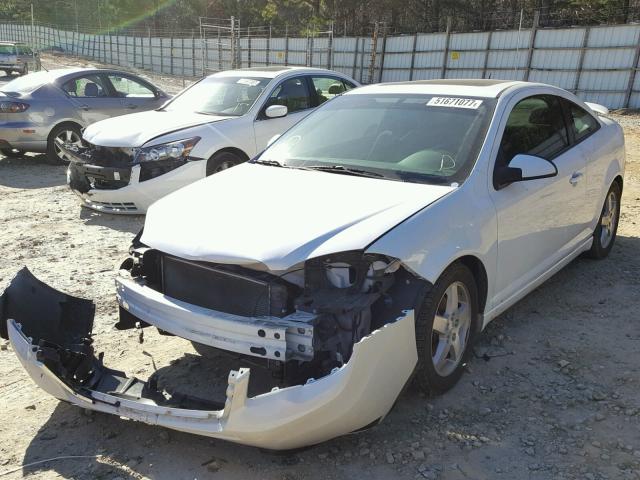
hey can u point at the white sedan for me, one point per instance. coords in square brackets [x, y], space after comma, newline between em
[223, 120]
[367, 246]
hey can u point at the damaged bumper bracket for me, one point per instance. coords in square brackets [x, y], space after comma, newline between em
[351, 397]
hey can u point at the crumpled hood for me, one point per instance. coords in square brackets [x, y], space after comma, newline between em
[280, 217]
[136, 129]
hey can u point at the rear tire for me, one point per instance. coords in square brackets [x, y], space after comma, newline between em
[222, 161]
[66, 132]
[446, 327]
[604, 235]
[12, 152]
[25, 70]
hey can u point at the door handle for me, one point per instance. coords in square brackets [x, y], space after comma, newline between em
[84, 107]
[131, 106]
[575, 178]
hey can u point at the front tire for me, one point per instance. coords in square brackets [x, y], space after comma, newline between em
[446, 326]
[604, 235]
[222, 161]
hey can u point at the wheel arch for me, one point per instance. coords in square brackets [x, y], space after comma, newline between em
[620, 181]
[234, 150]
[479, 272]
[64, 122]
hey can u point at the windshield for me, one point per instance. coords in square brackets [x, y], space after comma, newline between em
[220, 96]
[415, 138]
[28, 83]
[7, 50]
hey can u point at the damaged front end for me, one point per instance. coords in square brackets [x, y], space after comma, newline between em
[341, 344]
[109, 178]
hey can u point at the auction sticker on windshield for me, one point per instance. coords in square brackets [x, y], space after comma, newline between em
[454, 102]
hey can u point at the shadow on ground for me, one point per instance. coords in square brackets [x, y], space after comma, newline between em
[31, 172]
[122, 223]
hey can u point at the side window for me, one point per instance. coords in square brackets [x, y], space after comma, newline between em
[292, 93]
[582, 122]
[536, 127]
[327, 88]
[90, 86]
[128, 87]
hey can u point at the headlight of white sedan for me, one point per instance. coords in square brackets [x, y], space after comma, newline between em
[179, 149]
[160, 159]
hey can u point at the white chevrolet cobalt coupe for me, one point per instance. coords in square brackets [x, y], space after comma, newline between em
[368, 245]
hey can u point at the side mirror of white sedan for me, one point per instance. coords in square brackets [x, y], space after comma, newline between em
[276, 111]
[522, 168]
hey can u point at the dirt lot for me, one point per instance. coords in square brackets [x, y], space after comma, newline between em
[552, 393]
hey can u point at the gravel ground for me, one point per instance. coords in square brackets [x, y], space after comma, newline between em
[553, 391]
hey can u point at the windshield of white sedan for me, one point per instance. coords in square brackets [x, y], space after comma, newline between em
[415, 138]
[220, 96]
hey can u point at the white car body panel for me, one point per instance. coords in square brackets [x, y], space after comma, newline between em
[137, 129]
[246, 135]
[183, 223]
[351, 397]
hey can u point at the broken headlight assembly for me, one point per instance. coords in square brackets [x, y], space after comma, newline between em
[157, 160]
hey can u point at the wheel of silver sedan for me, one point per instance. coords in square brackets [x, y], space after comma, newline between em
[451, 326]
[609, 219]
[65, 137]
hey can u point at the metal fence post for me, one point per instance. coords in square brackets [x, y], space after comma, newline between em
[585, 42]
[286, 44]
[268, 58]
[171, 56]
[355, 58]
[150, 50]
[233, 42]
[193, 54]
[532, 43]
[486, 55]
[384, 51]
[110, 47]
[632, 76]
[249, 46]
[413, 56]
[445, 58]
[330, 49]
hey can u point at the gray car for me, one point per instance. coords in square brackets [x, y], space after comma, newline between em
[18, 57]
[42, 110]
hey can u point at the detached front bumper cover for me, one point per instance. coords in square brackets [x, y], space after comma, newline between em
[50, 333]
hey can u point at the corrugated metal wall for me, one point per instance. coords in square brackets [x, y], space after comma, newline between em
[598, 63]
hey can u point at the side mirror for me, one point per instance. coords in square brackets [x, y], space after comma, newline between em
[523, 168]
[273, 139]
[276, 111]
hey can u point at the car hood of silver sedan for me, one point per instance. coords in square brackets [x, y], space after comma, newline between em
[137, 129]
[279, 217]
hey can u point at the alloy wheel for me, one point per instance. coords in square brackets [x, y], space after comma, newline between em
[65, 137]
[608, 219]
[451, 327]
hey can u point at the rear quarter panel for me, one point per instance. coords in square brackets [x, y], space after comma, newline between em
[605, 151]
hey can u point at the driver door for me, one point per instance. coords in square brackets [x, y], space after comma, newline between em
[537, 219]
[294, 93]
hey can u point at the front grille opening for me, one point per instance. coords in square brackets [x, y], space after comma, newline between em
[226, 288]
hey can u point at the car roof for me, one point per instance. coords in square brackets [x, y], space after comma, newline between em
[274, 71]
[487, 88]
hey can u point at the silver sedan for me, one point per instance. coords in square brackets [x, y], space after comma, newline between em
[42, 110]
